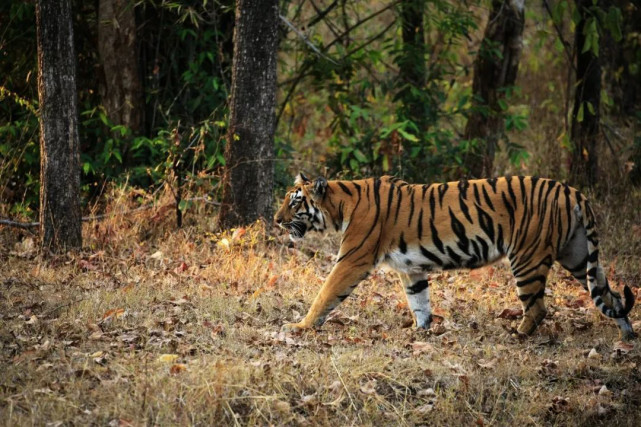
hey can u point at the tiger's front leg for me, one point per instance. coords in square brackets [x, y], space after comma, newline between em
[340, 283]
[417, 292]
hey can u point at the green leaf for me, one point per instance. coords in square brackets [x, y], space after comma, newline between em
[591, 108]
[385, 163]
[407, 135]
[184, 205]
[360, 156]
[613, 22]
[579, 115]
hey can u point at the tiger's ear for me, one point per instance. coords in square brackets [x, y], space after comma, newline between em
[320, 186]
[301, 179]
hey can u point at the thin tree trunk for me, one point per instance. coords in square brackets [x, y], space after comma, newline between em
[412, 68]
[60, 220]
[585, 114]
[248, 180]
[121, 90]
[495, 67]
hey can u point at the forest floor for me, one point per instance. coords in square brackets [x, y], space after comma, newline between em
[158, 326]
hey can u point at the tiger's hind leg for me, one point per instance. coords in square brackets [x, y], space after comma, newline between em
[417, 291]
[531, 275]
[574, 258]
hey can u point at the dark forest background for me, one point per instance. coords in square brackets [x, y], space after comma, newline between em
[426, 90]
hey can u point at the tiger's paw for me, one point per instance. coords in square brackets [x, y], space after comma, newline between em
[293, 327]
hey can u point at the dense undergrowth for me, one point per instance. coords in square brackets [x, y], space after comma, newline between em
[155, 325]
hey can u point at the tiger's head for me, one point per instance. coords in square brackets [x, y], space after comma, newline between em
[300, 211]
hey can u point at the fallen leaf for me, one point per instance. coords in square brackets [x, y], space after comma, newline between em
[223, 243]
[182, 267]
[177, 368]
[167, 358]
[424, 409]
[623, 347]
[282, 406]
[113, 313]
[422, 347]
[593, 354]
[510, 313]
[271, 284]
[487, 364]
[238, 233]
[369, 387]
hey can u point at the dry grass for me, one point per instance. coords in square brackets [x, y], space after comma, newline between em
[151, 325]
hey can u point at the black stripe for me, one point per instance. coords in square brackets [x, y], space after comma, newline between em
[487, 198]
[510, 190]
[594, 256]
[432, 203]
[462, 187]
[420, 224]
[437, 242]
[477, 196]
[459, 230]
[358, 188]
[442, 189]
[492, 182]
[402, 245]
[344, 188]
[486, 222]
[499, 239]
[530, 280]
[455, 257]
[409, 221]
[398, 204]
[535, 298]
[429, 255]
[510, 210]
[465, 209]
[377, 203]
[390, 197]
[417, 287]
[522, 187]
[485, 248]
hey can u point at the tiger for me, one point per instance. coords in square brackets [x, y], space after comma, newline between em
[416, 229]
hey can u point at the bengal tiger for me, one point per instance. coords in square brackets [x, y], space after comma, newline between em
[416, 229]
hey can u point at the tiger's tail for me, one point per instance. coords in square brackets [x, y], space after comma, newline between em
[607, 301]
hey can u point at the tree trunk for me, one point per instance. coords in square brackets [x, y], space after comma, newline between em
[121, 89]
[621, 60]
[585, 113]
[60, 219]
[248, 180]
[412, 68]
[495, 67]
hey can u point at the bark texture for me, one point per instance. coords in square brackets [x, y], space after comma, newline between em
[60, 219]
[584, 131]
[249, 175]
[495, 67]
[412, 67]
[121, 90]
